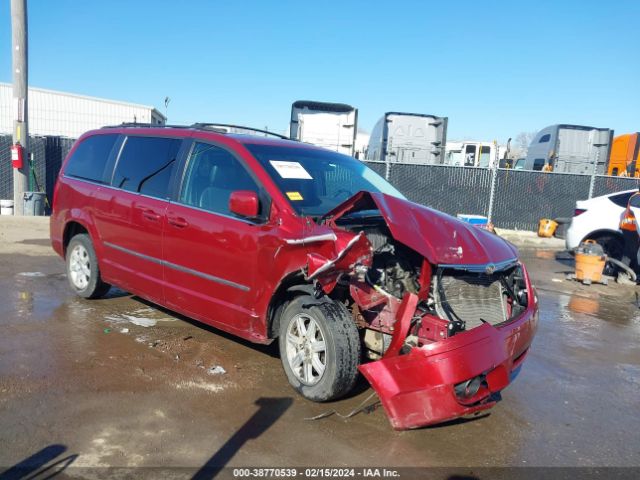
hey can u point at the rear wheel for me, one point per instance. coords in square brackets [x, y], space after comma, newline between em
[319, 348]
[82, 268]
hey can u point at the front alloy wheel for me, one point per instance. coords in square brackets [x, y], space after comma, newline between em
[319, 348]
[306, 349]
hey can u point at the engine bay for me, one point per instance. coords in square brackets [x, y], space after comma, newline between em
[450, 300]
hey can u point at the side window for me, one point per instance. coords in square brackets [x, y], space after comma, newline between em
[485, 156]
[634, 201]
[212, 174]
[469, 155]
[538, 164]
[89, 160]
[545, 138]
[621, 199]
[145, 165]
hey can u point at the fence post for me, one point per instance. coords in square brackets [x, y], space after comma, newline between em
[592, 183]
[492, 195]
[387, 168]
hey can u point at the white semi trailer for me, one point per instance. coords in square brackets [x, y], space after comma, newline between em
[328, 125]
[408, 138]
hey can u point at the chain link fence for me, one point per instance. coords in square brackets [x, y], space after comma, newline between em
[444, 188]
[604, 185]
[522, 197]
[513, 199]
[46, 154]
[6, 171]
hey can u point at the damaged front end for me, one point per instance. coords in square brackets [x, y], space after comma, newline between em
[446, 312]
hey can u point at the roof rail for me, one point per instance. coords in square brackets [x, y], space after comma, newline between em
[145, 125]
[216, 127]
[219, 127]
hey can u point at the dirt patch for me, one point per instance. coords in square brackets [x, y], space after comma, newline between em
[25, 235]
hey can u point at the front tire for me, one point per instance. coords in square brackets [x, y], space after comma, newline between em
[319, 348]
[82, 268]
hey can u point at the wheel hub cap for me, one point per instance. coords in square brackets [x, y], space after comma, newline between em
[306, 349]
[79, 267]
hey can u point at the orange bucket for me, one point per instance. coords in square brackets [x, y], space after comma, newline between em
[590, 262]
[547, 227]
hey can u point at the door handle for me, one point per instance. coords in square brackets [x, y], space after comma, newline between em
[150, 215]
[178, 222]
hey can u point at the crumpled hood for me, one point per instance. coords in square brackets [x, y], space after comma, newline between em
[440, 238]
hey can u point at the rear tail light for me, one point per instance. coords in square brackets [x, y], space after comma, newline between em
[579, 211]
[628, 221]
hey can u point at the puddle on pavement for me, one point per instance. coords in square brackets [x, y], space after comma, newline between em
[546, 254]
[616, 310]
[31, 274]
[142, 317]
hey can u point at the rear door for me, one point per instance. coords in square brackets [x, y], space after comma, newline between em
[130, 214]
[211, 255]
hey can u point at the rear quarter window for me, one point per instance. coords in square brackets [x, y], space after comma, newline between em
[622, 199]
[146, 165]
[89, 160]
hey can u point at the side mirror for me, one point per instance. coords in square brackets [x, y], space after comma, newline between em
[244, 203]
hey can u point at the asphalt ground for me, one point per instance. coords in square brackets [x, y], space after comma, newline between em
[118, 382]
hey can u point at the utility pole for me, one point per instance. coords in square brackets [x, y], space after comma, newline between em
[20, 105]
[167, 100]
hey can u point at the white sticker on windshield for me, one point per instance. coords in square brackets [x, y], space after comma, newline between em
[290, 169]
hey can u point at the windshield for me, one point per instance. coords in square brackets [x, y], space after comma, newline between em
[317, 181]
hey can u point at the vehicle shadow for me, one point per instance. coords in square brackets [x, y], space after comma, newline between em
[36, 465]
[115, 292]
[269, 411]
[565, 258]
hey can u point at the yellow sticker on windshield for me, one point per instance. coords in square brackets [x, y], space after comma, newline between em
[293, 196]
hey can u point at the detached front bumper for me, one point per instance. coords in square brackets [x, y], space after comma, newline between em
[419, 388]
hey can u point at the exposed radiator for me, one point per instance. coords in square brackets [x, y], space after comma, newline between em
[471, 298]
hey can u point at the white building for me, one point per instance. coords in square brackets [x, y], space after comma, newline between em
[70, 115]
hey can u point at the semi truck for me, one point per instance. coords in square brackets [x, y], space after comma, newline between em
[329, 125]
[408, 138]
[473, 154]
[570, 149]
[625, 156]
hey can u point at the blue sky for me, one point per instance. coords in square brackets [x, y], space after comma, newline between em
[494, 68]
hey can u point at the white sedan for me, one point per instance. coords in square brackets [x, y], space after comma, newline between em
[599, 219]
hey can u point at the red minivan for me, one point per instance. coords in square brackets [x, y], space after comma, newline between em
[269, 239]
